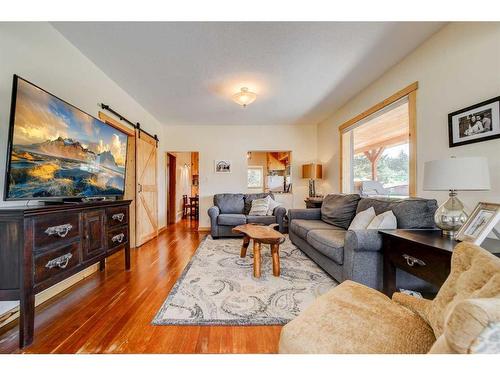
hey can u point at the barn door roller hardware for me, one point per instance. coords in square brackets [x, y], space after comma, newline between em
[134, 125]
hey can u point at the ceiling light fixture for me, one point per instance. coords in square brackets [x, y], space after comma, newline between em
[244, 97]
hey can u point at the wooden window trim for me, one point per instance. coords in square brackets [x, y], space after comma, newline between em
[411, 92]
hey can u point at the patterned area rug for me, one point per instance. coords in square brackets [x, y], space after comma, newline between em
[218, 288]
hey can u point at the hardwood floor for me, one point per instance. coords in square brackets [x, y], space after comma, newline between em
[111, 311]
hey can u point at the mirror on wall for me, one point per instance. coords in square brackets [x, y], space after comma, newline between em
[269, 171]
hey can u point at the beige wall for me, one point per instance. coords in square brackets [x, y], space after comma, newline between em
[233, 143]
[457, 67]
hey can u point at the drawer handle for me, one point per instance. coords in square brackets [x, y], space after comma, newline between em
[411, 261]
[60, 230]
[118, 238]
[61, 262]
[118, 217]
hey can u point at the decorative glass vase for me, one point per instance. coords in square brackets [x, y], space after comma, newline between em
[450, 216]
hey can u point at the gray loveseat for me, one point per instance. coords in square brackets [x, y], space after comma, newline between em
[230, 210]
[355, 255]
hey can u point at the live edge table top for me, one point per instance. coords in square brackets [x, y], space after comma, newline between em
[261, 233]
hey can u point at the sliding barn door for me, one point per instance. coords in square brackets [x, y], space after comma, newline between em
[147, 188]
[130, 173]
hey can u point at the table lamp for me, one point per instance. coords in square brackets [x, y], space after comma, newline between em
[312, 171]
[454, 174]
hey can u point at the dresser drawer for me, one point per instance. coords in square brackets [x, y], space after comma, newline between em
[56, 229]
[117, 216]
[117, 237]
[54, 262]
[429, 264]
[94, 233]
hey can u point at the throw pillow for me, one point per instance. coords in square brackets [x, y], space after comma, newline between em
[259, 207]
[386, 220]
[272, 205]
[250, 197]
[339, 209]
[362, 219]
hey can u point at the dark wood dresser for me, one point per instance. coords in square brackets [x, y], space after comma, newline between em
[43, 245]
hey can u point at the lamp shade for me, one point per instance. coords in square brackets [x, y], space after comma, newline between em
[470, 173]
[312, 171]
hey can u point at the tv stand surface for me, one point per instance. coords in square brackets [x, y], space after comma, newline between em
[55, 203]
[43, 245]
[49, 202]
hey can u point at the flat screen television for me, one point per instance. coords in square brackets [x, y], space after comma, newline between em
[56, 151]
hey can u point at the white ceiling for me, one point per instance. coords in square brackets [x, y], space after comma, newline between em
[185, 73]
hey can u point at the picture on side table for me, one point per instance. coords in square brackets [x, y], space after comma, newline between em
[222, 166]
[480, 223]
[477, 123]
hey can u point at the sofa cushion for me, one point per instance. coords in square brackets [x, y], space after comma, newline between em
[230, 203]
[468, 320]
[475, 273]
[362, 219]
[261, 219]
[260, 207]
[352, 318]
[412, 213]
[339, 209]
[328, 242]
[272, 205]
[301, 226]
[248, 198]
[231, 219]
[386, 220]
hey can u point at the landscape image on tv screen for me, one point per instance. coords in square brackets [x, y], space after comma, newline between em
[59, 151]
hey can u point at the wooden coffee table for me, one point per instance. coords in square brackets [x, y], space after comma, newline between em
[261, 234]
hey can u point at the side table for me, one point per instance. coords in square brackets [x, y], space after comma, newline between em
[313, 202]
[425, 254]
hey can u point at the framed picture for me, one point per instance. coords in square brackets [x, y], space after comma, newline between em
[477, 123]
[480, 223]
[222, 166]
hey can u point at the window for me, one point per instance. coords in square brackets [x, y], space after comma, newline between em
[255, 177]
[378, 148]
[269, 171]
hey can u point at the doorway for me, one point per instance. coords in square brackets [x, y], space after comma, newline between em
[171, 182]
[182, 187]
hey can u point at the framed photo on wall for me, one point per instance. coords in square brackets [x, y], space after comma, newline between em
[480, 223]
[477, 123]
[222, 166]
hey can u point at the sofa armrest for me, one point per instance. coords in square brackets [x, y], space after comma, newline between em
[304, 213]
[280, 212]
[419, 306]
[363, 240]
[213, 213]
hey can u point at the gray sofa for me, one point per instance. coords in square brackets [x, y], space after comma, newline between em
[230, 210]
[356, 255]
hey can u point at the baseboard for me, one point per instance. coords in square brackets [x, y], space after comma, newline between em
[13, 314]
[163, 228]
[203, 229]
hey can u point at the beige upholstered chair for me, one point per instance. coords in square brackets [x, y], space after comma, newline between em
[353, 318]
